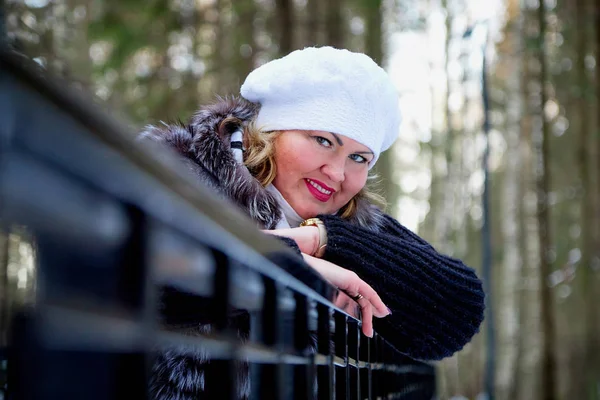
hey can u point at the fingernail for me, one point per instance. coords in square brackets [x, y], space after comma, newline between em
[390, 311]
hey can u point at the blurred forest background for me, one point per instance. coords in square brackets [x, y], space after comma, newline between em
[528, 181]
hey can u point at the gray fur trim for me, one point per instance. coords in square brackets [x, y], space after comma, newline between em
[204, 144]
[180, 373]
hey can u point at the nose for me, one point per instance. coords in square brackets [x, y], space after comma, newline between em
[334, 170]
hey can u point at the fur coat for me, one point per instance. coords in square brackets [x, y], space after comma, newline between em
[206, 147]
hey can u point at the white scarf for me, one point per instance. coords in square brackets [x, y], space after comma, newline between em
[289, 217]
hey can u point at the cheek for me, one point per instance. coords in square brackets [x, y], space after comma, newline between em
[353, 185]
[286, 165]
[292, 162]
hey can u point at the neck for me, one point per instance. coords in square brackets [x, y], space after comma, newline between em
[289, 214]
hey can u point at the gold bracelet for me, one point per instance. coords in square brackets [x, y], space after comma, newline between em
[322, 234]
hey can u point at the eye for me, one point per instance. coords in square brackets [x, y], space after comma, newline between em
[323, 142]
[358, 158]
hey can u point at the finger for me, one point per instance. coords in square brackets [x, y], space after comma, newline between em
[380, 309]
[348, 305]
[354, 285]
[354, 310]
[343, 302]
[349, 282]
[367, 317]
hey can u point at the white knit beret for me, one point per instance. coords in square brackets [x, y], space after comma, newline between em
[327, 89]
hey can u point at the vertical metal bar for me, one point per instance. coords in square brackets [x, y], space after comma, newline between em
[371, 373]
[370, 366]
[384, 380]
[325, 373]
[302, 385]
[358, 335]
[301, 334]
[312, 380]
[254, 370]
[23, 359]
[340, 382]
[269, 313]
[220, 291]
[376, 374]
[219, 378]
[133, 369]
[347, 359]
[269, 379]
[311, 377]
[353, 341]
[341, 350]
[365, 372]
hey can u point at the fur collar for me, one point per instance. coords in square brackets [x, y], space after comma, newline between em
[205, 144]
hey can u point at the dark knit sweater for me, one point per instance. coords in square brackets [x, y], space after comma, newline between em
[437, 302]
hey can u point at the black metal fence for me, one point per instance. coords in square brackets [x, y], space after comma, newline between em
[112, 224]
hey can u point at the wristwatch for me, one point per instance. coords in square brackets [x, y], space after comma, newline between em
[322, 234]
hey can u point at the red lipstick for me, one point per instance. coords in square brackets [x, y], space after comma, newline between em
[316, 192]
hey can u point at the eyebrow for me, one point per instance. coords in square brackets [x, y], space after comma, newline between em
[339, 140]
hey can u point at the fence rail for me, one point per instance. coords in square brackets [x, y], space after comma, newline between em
[113, 224]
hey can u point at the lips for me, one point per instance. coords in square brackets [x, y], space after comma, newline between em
[319, 190]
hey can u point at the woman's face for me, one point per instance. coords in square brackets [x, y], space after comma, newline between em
[319, 172]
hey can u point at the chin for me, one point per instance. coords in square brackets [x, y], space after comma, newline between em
[314, 213]
[312, 210]
[307, 214]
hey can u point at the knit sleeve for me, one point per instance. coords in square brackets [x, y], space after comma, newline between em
[437, 302]
[291, 243]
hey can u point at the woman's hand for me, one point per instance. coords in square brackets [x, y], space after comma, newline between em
[306, 237]
[346, 304]
[347, 281]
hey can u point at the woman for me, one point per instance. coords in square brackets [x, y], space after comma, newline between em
[302, 140]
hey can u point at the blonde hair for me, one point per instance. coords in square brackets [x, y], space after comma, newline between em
[260, 160]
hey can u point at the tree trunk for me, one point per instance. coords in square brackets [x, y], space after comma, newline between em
[218, 56]
[285, 20]
[373, 15]
[245, 43]
[528, 386]
[508, 327]
[597, 138]
[313, 22]
[549, 385]
[443, 225]
[77, 45]
[334, 23]
[595, 262]
[584, 158]
[446, 193]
